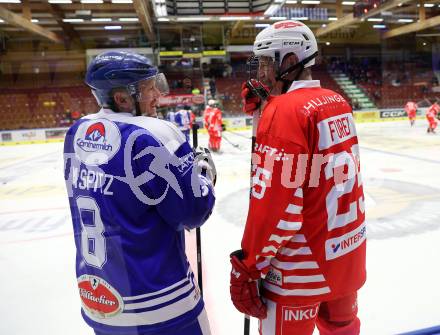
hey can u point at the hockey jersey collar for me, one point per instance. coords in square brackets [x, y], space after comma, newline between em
[109, 111]
[304, 84]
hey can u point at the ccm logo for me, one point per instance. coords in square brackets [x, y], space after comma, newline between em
[388, 114]
[290, 43]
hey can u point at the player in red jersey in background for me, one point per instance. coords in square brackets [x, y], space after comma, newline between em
[411, 110]
[431, 114]
[207, 113]
[305, 235]
[213, 123]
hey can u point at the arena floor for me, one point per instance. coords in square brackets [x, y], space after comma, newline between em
[400, 167]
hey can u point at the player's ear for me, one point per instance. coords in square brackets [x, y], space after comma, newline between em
[122, 99]
[289, 60]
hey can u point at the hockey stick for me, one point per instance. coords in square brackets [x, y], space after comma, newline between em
[233, 144]
[238, 134]
[255, 120]
[195, 140]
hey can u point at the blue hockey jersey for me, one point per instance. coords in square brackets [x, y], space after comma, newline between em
[182, 119]
[133, 188]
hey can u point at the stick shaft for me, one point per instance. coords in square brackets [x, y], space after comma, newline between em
[195, 140]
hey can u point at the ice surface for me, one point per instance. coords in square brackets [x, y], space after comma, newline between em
[400, 170]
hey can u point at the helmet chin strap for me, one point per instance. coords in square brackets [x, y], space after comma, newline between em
[137, 110]
[282, 75]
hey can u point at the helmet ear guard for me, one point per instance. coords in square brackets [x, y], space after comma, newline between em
[301, 65]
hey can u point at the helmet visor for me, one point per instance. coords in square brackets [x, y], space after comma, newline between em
[263, 69]
[150, 88]
[162, 84]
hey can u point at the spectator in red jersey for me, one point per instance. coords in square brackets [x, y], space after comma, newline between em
[75, 115]
[431, 114]
[305, 235]
[411, 110]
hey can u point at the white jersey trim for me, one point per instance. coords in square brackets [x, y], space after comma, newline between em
[304, 279]
[292, 252]
[160, 300]
[141, 296]
[299, 193]
[294, 209]
[296, 292]
[298, 238]
[279, 239]
[304, 84]
[150, 317]
[294, 265]
[289, 225]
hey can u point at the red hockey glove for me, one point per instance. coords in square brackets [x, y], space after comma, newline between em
[250, 101]
[244, 288]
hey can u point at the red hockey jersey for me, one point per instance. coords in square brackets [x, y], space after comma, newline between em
[305, 228]
[213, 121]
[411, 108]
[432, 111]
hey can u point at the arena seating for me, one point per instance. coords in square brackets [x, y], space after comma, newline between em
[392, 84]
[43, 107]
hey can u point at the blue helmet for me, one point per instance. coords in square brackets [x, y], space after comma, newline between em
[117, 69]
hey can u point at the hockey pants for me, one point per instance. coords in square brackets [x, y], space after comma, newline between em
[336, 317]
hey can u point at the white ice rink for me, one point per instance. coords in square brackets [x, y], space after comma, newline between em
[401, 171]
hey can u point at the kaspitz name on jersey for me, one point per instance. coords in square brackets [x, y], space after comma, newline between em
[92, 180]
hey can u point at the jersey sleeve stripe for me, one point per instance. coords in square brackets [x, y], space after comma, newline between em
[298, 238]
[289, 225]
[279, 239]
[292, 252]
[294, 265]
[304, 279]
[269, 249]
[294, 209]
[263, 264]
[160, 300]
[166, 289]
[296, 292]
[299, 193]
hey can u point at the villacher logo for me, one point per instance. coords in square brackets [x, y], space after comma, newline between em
[98, 297]
[94, 139]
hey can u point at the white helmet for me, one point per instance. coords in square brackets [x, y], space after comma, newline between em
[286, 37]
[211, 102]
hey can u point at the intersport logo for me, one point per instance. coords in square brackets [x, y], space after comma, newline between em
[339, 246]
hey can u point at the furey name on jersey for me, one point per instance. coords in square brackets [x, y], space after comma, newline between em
[332, 131]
